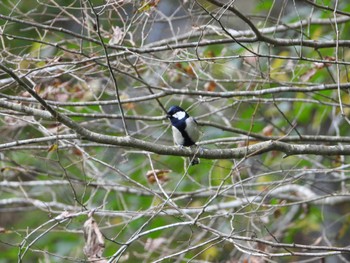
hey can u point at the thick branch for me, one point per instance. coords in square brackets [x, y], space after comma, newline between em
[241, 152]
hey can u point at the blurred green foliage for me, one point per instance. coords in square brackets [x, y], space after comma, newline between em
[113, 179]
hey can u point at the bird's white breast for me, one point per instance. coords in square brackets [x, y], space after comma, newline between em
[178, 138]
[192, 129]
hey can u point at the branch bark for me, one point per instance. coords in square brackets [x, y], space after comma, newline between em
[130, 142]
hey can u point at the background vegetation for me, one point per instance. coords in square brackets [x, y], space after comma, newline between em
[85, 145]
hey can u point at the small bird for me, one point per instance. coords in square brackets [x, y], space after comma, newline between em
[185, 129]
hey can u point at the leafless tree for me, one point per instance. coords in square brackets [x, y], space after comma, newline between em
[84, 90]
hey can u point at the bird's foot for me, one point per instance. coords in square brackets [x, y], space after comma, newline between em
[194, 161]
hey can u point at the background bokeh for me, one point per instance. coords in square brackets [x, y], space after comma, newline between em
[287, 84]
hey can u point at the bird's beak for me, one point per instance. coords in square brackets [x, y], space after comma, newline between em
[168, 116]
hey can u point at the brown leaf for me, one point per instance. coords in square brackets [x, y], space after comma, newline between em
[261, 247]
[210, 54]
[178, 65]
[189, 71]
[162, 175]
[94, 241]
[129, 105]
[77, 151]
[210, 86]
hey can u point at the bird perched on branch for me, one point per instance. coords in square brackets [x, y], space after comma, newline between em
[185, 129]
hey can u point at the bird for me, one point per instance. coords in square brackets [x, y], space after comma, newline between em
[185, 129]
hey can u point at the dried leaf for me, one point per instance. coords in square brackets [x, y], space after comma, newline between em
[261, 247]
[162, 175]
[77, 151]
[210, 86]
[128, 106]
[178, 65]
[94, 242]
[189, 70]
[210, 54]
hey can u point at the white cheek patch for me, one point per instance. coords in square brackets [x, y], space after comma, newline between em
[179, 115]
